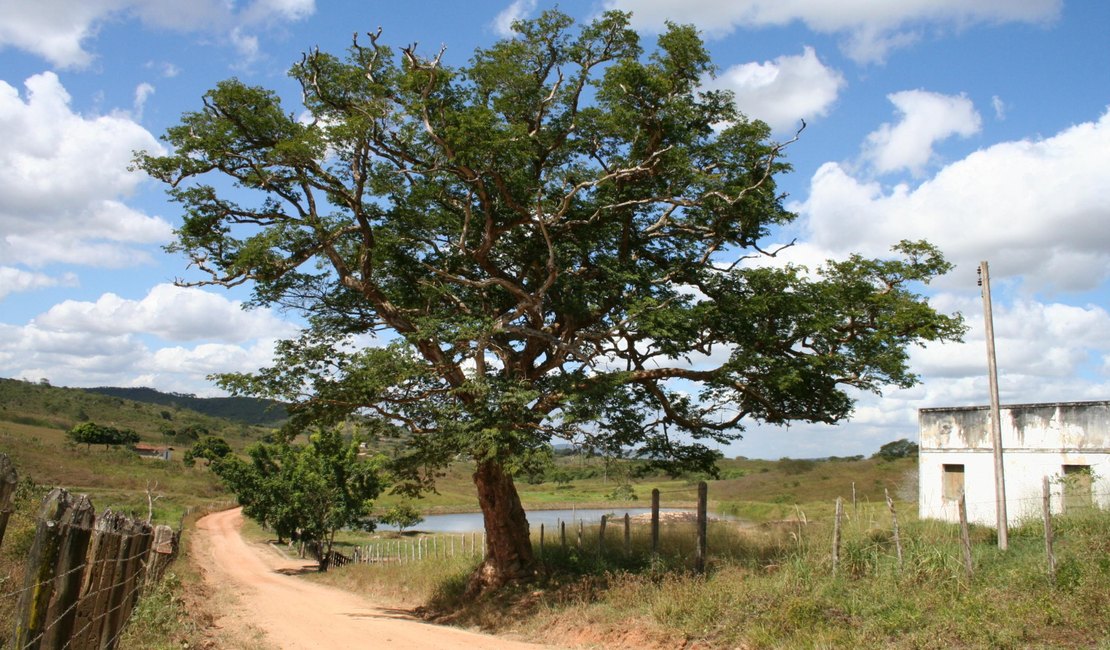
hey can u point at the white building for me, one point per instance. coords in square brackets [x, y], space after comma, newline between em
[1068, 442]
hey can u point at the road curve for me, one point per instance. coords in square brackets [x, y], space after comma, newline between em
[295, 614]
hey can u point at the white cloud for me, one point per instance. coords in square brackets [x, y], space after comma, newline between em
[120, 342]
[783, 91]
[519, 9]
[60, 36]
[61, 177]
[999, 107]
[14, 280]
[142, 92]
[169, 312]
[870, 29]
[926, 118]
[1035, 209]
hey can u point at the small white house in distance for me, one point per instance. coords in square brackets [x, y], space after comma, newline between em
[1068, 442]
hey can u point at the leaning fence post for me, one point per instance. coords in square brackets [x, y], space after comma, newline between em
[49, 572]
[8, 482]
[965, 537]
[703, 525]
[76, 524]
[1046, 508]
[894, 522]
[836, 536]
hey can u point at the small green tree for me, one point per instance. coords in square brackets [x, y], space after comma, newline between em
[311, 491]
[91, 433]
[209, 448]
[898, 449]
[402, 515]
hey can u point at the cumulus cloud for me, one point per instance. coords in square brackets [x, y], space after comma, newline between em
[519, 9]
[170, 312]
[869, 30]
[926, 118]
[61, 177]
[1036, 209]
[61, 36]
[119, 341]
[14, 280]
[784, 91]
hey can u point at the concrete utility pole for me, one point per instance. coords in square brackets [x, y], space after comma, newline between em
[996, 425]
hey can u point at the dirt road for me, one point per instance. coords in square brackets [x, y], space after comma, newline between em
[257, 596]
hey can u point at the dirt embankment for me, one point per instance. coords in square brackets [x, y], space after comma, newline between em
[262, 604]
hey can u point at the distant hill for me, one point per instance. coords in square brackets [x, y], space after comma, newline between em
[247, 410]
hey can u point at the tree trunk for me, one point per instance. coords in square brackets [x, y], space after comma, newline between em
[508, 544]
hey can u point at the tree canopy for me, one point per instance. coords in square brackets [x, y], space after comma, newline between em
[563, 238]
[208, 448]
[91, 433]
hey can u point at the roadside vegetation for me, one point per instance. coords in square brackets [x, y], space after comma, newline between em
[772, 586]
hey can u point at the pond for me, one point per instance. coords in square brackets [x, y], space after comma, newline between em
[466, 522]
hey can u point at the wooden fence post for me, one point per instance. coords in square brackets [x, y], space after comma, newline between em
[163, 550]
[703, 526]
[8, 482]
[92, 610]
[563, 534]
[601, 536]
[132, 553]
[55, 568]
[894, 523]
[836, 536]
[1046, 508]
[654, 525]
[965, 537]
[627, 535]
[541, 540]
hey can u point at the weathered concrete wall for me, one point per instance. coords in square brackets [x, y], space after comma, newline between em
[1060, 426]
[1038, 440]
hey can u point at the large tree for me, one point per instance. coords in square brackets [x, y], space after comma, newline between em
[560, 238]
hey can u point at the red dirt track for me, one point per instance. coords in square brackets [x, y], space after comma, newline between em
[294, 614]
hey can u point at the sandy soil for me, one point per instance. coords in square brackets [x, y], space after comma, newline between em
[259, 595]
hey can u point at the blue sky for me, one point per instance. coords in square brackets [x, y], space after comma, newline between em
[981, 125]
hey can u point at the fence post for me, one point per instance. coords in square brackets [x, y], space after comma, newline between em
[8, 481]
[76, 524]
[627, 535]
[580, 534]
[163, 549]
[56, 557]
[965, 537]
[541, 540]
[133, 550]
[601, 537]
[836, 536]
[563, 534]
[703, 525]
[1046, 508]
[654, 525]
[92, 610]
[894, 522]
